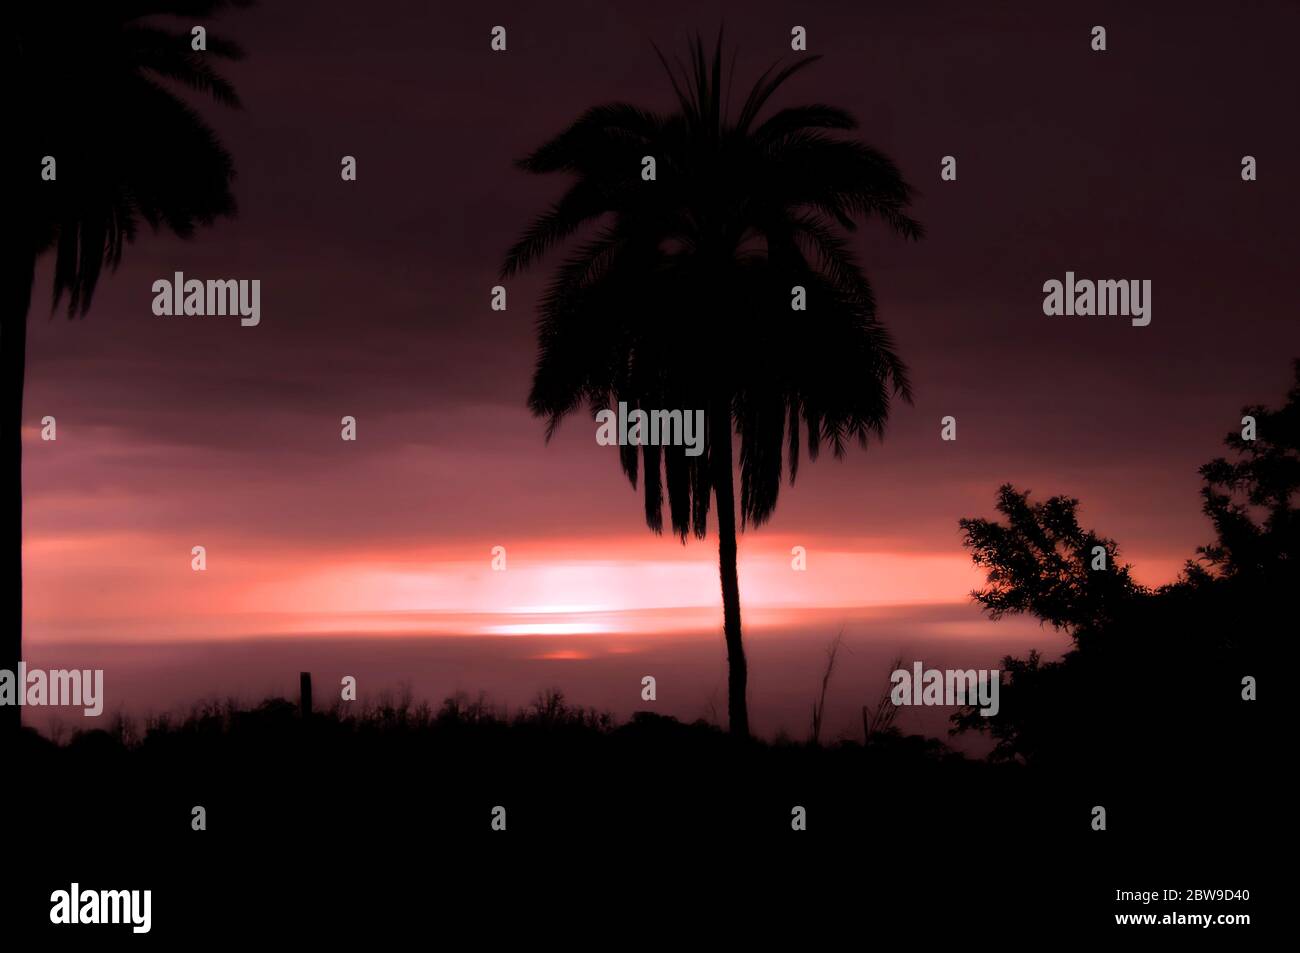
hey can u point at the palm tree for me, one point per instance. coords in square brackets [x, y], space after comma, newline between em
[90, 82]
[680, 296]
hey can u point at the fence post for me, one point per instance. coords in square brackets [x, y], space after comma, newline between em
[304, 688]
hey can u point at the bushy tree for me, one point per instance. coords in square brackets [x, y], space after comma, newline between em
[1152, 678]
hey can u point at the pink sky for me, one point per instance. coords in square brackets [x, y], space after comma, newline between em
[177, 432]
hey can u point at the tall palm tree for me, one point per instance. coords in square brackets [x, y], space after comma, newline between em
[679, 296]
[91, 84]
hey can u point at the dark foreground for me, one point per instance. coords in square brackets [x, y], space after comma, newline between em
[367, 822]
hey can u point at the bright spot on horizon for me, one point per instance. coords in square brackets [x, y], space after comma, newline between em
[546, 628]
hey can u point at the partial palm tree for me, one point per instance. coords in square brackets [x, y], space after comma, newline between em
[99, 143]
[681, 293]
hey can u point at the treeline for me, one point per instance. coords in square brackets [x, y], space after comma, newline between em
[1157, 680]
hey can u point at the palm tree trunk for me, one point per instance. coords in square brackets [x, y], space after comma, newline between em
[15, 298]
[725, 497]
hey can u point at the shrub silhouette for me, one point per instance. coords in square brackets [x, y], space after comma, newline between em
[1153, 681]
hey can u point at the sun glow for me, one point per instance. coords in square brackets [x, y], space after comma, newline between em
[545, 628]
[583, 587]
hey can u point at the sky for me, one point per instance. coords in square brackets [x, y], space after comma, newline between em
[176, 432]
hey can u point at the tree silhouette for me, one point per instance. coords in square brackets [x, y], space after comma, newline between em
[1250, 501]
[91, 84]
[1040, 562]
[1154, 679]
[679, 296]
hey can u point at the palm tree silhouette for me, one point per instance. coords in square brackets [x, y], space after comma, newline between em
[680, 295]
[90, 83]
